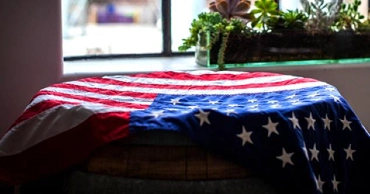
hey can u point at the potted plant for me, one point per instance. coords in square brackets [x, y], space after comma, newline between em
[234, 33]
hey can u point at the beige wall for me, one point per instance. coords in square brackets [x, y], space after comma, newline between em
[30, 53]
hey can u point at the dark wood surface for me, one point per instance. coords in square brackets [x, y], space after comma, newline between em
[163, 162]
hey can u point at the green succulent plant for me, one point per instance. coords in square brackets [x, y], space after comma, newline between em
[349, 17]
[290, 19]
[264, 11]
[225, 16]
[234, 16]
[214, 24]
[321, 14]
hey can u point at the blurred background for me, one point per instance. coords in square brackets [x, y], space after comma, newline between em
[104, 27]
[123, 26]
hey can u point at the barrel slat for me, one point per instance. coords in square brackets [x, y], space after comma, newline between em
[167, 162]
[196, 163]
[221, 168]
[163, 162]
[110, 160]
[138, 161]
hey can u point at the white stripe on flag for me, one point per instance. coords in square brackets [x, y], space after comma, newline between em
[44, 97]
[198, 92]
[117, 98]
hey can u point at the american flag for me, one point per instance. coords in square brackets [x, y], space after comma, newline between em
[297, 133]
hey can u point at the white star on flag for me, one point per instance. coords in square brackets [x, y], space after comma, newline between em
[172, 109]
[193, 107]
[335, 184]
[320, 183]
[156, 114]
[346, 123]
[349, 152]
[213, 102]
[314, 153]
[286, 158]
[291, 96]
[245, 136]
[313, 95]
[336, 99]
[295, 121]
[203, 117]
[233, 105]
[175, 101]
[331, 153]
[311, 122]
[327, 122]
[271, 127]
[252, 100]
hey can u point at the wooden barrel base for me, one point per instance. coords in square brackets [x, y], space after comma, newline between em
[89, 183]
[177, 162]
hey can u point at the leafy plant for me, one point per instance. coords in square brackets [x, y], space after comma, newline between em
[349, 17]
[291, 19]
[321, 15]
[264, 11]
[206, 22]
[364, 26]
[212, 23]
[232, 17]
[226, 16]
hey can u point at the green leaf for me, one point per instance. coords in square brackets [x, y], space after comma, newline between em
[255, 11]
[258, 4]
[255, 22]
[259, 25]
[275, 12]
[314, 6]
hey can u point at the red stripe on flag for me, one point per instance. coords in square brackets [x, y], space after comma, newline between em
[87, 98]
[64, 150]
[105, 91]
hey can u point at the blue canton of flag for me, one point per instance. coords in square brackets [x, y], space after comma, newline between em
[301, 141]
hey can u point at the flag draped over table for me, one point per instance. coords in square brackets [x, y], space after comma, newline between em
[298, 133]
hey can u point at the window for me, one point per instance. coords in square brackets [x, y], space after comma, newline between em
[118, 28]
[106, 28]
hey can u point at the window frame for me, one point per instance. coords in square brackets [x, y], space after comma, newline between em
[166, 43]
